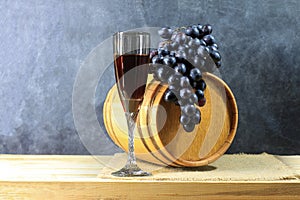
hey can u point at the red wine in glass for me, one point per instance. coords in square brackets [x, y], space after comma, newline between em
[131, 58]
[131, 73]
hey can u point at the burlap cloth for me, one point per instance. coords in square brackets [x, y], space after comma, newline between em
[230, 167]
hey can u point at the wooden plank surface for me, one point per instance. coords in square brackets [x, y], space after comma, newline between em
[148, 190]
[75, 177]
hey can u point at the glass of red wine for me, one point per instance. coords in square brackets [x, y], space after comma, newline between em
[131, 63]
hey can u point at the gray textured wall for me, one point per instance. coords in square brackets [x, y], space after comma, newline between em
[42, 44]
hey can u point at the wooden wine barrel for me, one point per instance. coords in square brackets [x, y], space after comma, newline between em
[159, 137]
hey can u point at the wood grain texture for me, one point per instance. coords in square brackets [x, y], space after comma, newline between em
[147, 190]
[75, 177]
[161, 139]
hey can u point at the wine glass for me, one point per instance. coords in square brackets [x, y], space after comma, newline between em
[131, 63]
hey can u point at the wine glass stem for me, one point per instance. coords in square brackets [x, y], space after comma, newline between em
[131, 116]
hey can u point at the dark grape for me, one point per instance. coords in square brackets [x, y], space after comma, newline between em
[165, 33]
[199, 85]
[172, 54]
[195, 74]
[169, 60]
[215, 45]
[207, 49]
[202, 42]
[153, 53]
[207, 29]
[200, 26]
[203, 85]
[215, 55]
[180, 68]
[195, 32]
[163, 52]
[209, 39]
[169, 96]
[188, 65]
[189, 127]
[202, 102]
[156, 60]
[200, 94]
[189, 110]
[213, 48]
[184, 119]
[189, 31]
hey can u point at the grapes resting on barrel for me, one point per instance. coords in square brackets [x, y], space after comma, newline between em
[177, 62]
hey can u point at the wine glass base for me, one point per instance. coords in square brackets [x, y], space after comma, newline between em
[130, 171]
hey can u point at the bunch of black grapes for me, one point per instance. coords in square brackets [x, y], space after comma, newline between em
[177, 62]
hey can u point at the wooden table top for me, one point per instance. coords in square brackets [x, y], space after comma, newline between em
[75, 177]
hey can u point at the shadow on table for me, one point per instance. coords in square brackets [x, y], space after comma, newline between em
[193, 169]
